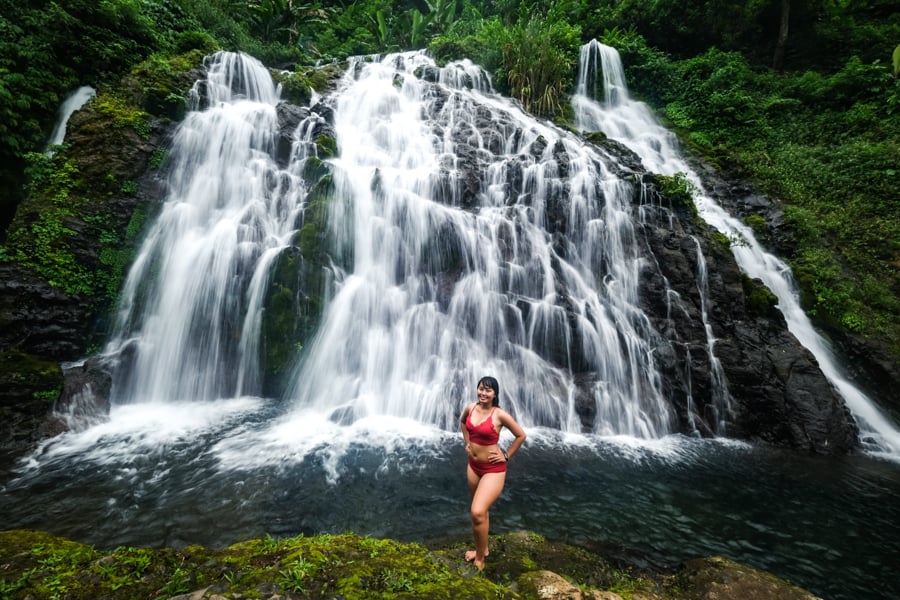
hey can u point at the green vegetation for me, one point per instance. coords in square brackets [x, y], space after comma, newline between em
[348, 566]
[808, 112]
[826, 145]
[679, 191]
[43, 244]
[43, 378]
[38, 565]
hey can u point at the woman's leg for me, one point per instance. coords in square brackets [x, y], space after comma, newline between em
[486, 493]
[472, 479]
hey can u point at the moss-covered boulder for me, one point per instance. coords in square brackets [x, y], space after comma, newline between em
[717, 577]
[297, 85]
[30, 387]
[297, 286]
[522, 566]
[160, 84]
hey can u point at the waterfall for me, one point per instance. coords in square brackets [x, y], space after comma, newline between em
[448, 284]
[189, 312]
[721, 399]
[632, 123]
[73, 102]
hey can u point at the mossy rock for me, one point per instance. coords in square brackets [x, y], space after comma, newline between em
[679, 191]
[34, 564]
[297, 86]
[314, 169]
[596, 137]
[160, 84]
[758, 224]
[39, 565]
[294, 300]
[326, 146]
[760, 300]
[516, 557]
[43, 379]
[717, 577]
[291, 318]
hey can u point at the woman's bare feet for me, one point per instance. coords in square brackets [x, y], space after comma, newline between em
[470, 556]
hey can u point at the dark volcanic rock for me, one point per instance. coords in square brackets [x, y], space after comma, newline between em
[84, 400]
[43, 320]
[776, 391]
[868, 362]
[37, 318]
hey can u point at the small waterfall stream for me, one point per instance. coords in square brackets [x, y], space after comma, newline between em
[613, 112]
[73, 102]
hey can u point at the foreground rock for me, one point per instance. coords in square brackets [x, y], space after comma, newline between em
[522, 566]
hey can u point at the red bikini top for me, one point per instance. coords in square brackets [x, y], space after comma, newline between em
[484, 433]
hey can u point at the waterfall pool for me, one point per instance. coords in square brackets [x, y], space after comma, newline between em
[215, 473]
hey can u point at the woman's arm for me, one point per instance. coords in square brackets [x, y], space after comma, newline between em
[507, 421]
[462, 424]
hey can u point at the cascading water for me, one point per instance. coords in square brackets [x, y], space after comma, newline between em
[632, 123]
[73, 102]
[189, 310]
[721, 400]
[445, 288]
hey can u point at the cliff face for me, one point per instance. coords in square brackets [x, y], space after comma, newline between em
[50, 315]
[69, 247]
[870, 363]
[778, 394]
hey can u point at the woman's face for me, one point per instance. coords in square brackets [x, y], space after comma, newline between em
[485, 394]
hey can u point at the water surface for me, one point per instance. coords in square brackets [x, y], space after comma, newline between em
[215, 473]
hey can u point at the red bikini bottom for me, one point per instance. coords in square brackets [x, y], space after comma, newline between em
[481, 468]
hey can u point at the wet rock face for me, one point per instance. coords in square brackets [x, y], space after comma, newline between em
[39, 319]
[44, 321]
[777, 392]
[717, 577]
[84, 400]
[869, 363]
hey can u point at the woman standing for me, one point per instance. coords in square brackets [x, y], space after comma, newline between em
[481, 424]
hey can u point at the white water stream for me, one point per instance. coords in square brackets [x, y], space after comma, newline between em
[73, 102]
[631, 122]
[399, 339]
[185, 312]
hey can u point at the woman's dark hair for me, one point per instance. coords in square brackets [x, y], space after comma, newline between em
[490, 382]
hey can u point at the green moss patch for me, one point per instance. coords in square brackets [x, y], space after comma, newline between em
[348, 566]
[23, 374]
[34, 564]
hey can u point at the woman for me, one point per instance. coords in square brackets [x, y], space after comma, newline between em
[481, 424]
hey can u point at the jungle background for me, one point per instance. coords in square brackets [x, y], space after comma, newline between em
[801, 98]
